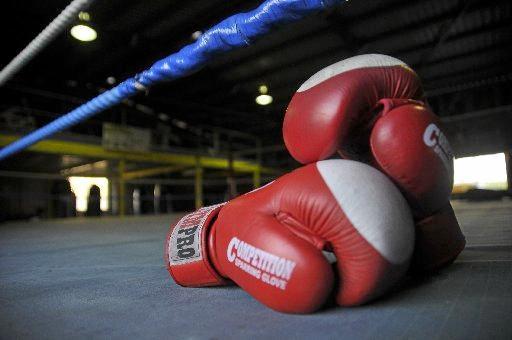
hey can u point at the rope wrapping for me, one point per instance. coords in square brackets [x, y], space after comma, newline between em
[234, 32]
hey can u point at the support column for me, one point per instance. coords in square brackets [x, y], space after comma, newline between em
[122, 188]
[113, 197]
[198, 185]
[508, 162]
[232, 191]
[256, 177]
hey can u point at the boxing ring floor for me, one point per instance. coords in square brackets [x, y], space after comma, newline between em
[105, 278]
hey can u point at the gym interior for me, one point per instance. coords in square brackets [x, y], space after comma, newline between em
[118, 118]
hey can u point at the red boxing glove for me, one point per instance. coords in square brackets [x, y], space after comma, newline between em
[329, 109]
[367, 108]
[272, 241]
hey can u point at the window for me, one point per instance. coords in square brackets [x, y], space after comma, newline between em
[81, 187]
[483, 172]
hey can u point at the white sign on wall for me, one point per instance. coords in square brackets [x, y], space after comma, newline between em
[125, 138]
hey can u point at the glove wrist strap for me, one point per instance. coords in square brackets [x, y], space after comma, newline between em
[186, 249]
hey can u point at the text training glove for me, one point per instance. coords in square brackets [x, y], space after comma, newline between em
[369, 108]
[271, 241]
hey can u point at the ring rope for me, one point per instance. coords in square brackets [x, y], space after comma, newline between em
[234, 32]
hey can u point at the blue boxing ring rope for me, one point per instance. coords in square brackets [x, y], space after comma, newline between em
[234, 32]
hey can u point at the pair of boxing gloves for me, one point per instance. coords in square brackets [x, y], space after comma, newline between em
[348, 228]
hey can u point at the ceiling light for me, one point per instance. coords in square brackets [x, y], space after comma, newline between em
[85, 16]
[111, 80]
[264, 99]
[179, 123]
[163, 117]
[83, 33]
[196, 35]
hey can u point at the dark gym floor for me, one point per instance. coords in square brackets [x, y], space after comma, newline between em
[105, 278]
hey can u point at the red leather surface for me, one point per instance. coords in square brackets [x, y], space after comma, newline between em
[312, 214]
[321, 119]
[398, 147]
[343, 114]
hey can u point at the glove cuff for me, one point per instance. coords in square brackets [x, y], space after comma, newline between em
[186, 249]
[439, 240]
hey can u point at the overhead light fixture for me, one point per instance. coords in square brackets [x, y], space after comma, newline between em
[264, 98]
[163, 117]
[196, 35]
[83, 33]
[85, 16]
[179, 123]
